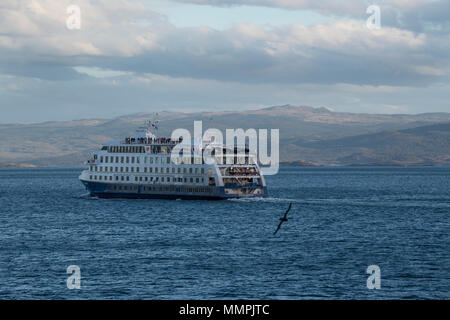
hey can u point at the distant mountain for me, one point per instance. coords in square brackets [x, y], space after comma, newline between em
[425, 145]
[16, 165]
[315, 135]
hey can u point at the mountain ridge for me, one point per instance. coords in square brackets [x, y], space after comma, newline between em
[311, 135]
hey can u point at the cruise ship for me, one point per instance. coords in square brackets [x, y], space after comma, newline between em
[142, 167]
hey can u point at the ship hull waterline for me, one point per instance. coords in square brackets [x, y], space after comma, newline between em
[103, 190]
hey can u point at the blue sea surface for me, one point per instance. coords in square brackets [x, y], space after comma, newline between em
[342, 221]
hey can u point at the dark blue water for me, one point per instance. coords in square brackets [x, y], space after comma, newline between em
[342, 221]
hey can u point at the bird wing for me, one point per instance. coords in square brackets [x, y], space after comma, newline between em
[287, 211]
[278, 228]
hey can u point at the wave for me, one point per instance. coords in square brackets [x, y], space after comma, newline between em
[351, 202]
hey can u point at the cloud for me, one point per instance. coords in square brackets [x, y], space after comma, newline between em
[416, 15]
[40, 26]
[334, 7]
[126, 51]
[32, 100]
[124, 36]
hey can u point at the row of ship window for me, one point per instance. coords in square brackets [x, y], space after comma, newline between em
[125, 149]
[127, 159]
[147, 170]
[148, 179]
[186, 160]
[161, 188]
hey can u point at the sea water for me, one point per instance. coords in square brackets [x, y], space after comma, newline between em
[342, 221]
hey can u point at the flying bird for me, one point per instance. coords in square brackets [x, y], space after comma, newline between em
[283, 219]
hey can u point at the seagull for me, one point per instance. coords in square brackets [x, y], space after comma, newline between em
[283, 219]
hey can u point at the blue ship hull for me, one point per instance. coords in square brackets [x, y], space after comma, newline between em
[132, 191]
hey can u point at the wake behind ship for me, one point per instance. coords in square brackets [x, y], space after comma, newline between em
[141, 167]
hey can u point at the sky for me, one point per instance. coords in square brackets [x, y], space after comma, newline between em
[130, 56]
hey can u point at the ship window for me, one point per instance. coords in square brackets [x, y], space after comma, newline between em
[190, 170]
[95, 177]
[106, 159]
[173, 170]
[179, 170]
[135, 178]
[151, 159]
[162, 179]
[197, 180]
[137, 160]
[156, 170]
[117, 178]
[151, 169]
[167, 170]
[121, 169]
[202, 170]
[121, 159]
[132, 159]
[90, 177]
[110, 178]
[168, 159]
[121, 178]
[145, 169]
[132, 169]
[137, 169]
[128, 159]
[101, 159]
[146, 178]
[191, 180]
[128, 178]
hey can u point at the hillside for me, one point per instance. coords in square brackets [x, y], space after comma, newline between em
[425, 145]
[315, 135]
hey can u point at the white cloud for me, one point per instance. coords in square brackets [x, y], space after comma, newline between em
[108, 27]
[125, 36]
[122, 43]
